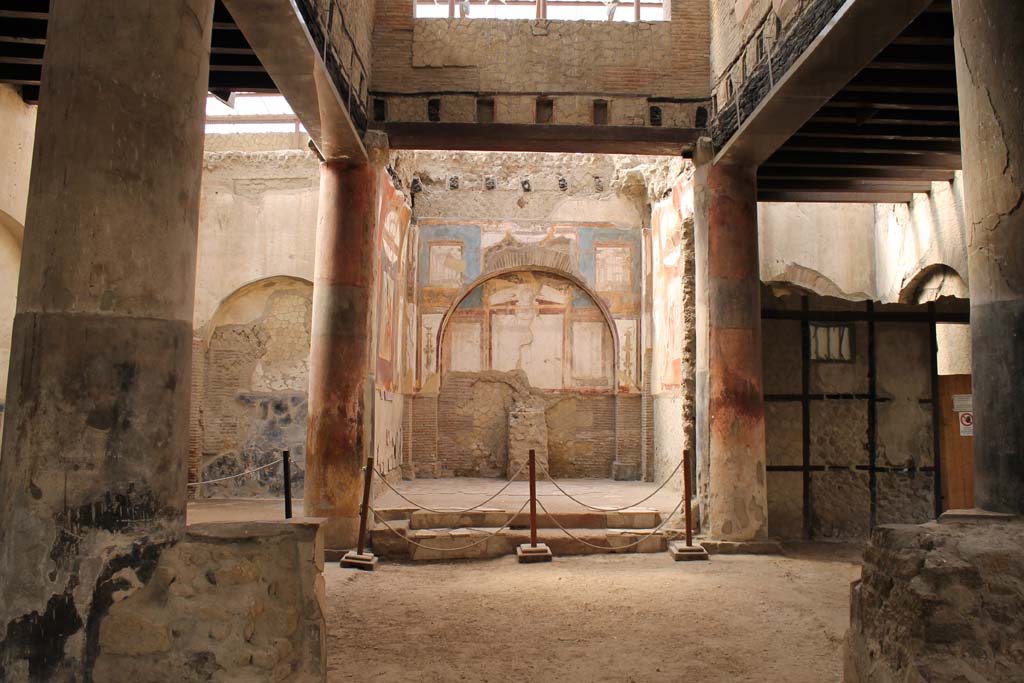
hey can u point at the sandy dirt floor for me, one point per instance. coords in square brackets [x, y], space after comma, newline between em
[595, 618]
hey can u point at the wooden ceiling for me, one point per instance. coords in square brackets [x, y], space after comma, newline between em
[889, 133]
[234, 66]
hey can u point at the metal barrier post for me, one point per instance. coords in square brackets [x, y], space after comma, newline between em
[535, 552]
[359, 559]
[286, 459]
[688, 551]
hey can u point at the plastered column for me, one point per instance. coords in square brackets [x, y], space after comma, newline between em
[730, 400]
[340, 379]
[93, 466]
[990, 83]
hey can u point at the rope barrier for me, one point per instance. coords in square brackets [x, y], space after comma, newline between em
[610, 547]
[511, 481]
[240, 474]
[486, 538]
[604, 509]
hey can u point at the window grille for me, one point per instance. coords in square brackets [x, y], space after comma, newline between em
[832, 342]
[563, 10]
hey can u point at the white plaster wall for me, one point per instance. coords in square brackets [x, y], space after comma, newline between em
[909, 238]
[668, 438]
[257, 219]
[16, 138]
[826, 248]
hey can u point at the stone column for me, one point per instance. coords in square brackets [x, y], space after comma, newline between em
[730, 403]
[93, 467]
[990, 83]
[340, 377]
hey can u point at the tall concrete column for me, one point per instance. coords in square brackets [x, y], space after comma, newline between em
[340, 378]
[990, 83]
[93, 467]
[730, 400]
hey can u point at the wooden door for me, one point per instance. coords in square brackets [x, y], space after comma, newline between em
[957, 452]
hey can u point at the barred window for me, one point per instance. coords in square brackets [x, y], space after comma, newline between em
[832, 342]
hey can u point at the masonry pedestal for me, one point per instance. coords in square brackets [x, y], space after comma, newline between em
[340, 377]
[730, 409]
[93, 470]
[527, 431]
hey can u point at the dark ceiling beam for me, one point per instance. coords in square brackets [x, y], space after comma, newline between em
[895, 100]
[23, 31]
[817, 196]
[241, 81]
[916, 58]
[882, 80]
[801, 143]
[946, 162]
[882, 132]
[30, 94]
[877, 174]
[526, 137]
[886, 116]
[20, 74]
[21, 51]
[845, 186]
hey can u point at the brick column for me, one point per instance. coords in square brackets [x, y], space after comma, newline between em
[730, 408]
[990, 83]
[92, 474]
[340, 378]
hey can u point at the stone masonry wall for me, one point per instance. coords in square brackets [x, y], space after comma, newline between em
[939, 602]
[239, 602]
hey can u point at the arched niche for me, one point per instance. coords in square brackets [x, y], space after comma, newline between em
[572, 278]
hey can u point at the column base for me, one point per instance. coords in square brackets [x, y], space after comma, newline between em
[529, 554]
[365, 561]
[768, 546]
[680, 552]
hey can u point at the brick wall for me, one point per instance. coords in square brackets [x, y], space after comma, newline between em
[565, 59]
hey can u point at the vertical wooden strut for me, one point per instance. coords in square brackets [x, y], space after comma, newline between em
[533, 499]
[534, 552]
[451, 9]
[686, 498]
[364, 510]
[286, 459]
[360, 559]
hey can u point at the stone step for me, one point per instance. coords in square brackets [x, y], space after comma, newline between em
[389, 546]
[635, 518]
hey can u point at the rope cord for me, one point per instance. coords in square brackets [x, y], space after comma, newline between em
[609, 547]
[240, 474]
[602, 509]
[486, 538]
[475, 507]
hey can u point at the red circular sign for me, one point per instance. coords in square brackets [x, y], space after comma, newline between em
[967, 419]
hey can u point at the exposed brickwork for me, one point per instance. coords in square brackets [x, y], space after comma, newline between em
[647, 420]
[423, 431]
[573, 61]
[752, 87]
[195, 417]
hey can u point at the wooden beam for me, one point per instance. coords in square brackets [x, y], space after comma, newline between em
[767, 172]
[912, 117]
[21, 74]
[810, 197]
[881, 131]
[895, 100]
[516, 137]
[945, 162]
[916, 57]
[844, 186]
[801, 143]
[882, 80]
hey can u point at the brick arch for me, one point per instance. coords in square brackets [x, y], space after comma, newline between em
[564, 274]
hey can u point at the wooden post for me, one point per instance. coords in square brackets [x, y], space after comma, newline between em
[361, 559]
[534, 552]
[451, 9]
[686, 498]
[533, 498]
[364, 511]
[286, 458]
[636, 10]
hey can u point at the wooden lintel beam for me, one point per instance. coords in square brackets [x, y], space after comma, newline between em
[844, 186]
[881, 131]
[895, 100]
[891, 174]
[515, 137]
